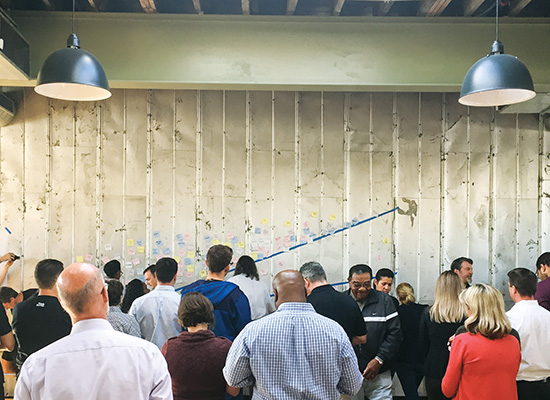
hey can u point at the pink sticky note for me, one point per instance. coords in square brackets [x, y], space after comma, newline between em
[281, 264]
[187, 237]
[182, 252]
[306, 224]
[189, 274]
[379, 257]
[131, 251]
[89, 257]
[230, 235]
[105, 259]
[263, 272]
[135, 261]
[278, 239]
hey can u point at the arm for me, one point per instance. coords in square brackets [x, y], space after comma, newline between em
[350, 379]
[242, 313]
[232, 391]
[7, 341]
[360, 328]
[237, 371]
[22, 385]
[9, 258]
[359, 340]
[162, 383]
[451, 380]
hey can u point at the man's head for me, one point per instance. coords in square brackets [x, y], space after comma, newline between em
[383, 280]
[462, 266]
[150, 276]
[359, 279]
[167, 268]
[112, 269]
[218, 258]
[46, 273]
[10, 297]
[314, 275]
[543, 266]
[82, 292]
[522, 284]
[289, 286]
[114, 290]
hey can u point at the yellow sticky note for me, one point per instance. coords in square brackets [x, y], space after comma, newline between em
[241, 245]
[254, 255]
[79, 259]
[314, 214]
[216, 241]
[264, 221]
[177, 258]
[332, 217]
[203, 274]
[288, 224]
[130, 242]
[386, 241]
[190, 268]
[141, 249]
[227, 244]
[190, 254]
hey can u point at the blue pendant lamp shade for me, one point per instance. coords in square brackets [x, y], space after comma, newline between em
[73, 74]
[496, 80]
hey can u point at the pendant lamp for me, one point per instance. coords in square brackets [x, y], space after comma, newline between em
[497, 79]
[72, 74]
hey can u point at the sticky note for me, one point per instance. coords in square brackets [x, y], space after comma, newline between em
[288, 224]
[128, 264]
[135, 261]
[166, 250]
[264, 221]
[180, 272]
[254, 255]
[131, 251]
[177, 258]
[216, 242]
[139, 242]
[108, 247]
[227, 244]
[230, 235]
[386, 241]
[116, 257]
[241, 245]
[187, 237]
[156, 234]
[306, 224]
[332, 217]
[203, 274]
[181, 244]
[156, 251]
[379, 257]
[105, 259]
[278, 239]
[234, 239]
[79, 259]
[263, 272]
[260, 255]
[179, 236]
[354, 221]
[159, 243]
[189, 274]
[257, 231]
[314, 214]
[281, 264]
[191, 254]
[130, 242]
[89, 257]
[187, 261]
[306, 231]
[292, 238]
[141, 249]
[190, 268]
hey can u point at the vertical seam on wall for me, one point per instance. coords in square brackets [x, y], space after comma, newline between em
[540, 181]
[124, 170]
[347, 178]
[395, 187]
[322, 155]
[49, 180]
[371, 189]
[23, 193]
[468, 179]
[297, 170]
[248, 184]
[419, 173]
[492, 172]
[198, 172]
[224, 136]
[149, 180]
[443, 184]
[272, 210]
[98, 176]
[518, 188]
[174, 141]
[73, 202]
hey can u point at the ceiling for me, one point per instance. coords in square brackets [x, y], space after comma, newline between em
[405, 8]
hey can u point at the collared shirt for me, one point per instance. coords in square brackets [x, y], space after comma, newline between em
[95, 362]
[533, 324]
[293, 353]
[123, 322]
[157, 314]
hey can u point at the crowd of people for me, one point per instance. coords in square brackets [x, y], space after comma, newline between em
[81, 335]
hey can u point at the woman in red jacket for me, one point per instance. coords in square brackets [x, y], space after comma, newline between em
[484, 362]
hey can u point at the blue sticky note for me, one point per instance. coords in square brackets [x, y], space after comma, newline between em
[179, 236]
[139, 242]
[181, 244]
[292, 238]
[159, 243]
[354, 221]
[187, 261]
[167, 250]
[306, 231]
[156, 234]
[207, 238]
[260, 255]
[156, 251]
[235, 239]
[257, 231]
[348, 224]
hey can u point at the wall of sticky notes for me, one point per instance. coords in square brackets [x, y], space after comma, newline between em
[169, 173]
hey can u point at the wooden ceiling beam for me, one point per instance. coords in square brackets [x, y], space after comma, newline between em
[197, 5]
[383, 8]
[245, 7]
[148, 6]
[471, 6]
[291, 7]
[432, 8]
[517, 7]
[338, 4]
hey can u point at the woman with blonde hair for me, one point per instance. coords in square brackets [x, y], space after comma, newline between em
[409, 359]
[437, 325]
[485, 361]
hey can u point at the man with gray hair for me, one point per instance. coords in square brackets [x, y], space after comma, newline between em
[94, 361]
[333, 304]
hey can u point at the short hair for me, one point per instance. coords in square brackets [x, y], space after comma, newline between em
[456, 265]
[247, 267]
[167, 268]
[523, 280]
[487, 314]
[111, 268]
[447, 307]
[7, 293]
[134, 289]
[151, 268]
[46, 272]
[195, 309]
[218, 257]
[114, 290]
[405, 293]
[359, 269]
[313, 272]
[76, 301]
[384, 273]
[544, 259]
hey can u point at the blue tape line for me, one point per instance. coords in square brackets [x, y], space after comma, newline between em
[7, 230]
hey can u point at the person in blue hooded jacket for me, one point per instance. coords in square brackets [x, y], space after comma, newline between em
[231, 307]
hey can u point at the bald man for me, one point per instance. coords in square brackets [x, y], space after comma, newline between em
[293, 353]
[94, 361]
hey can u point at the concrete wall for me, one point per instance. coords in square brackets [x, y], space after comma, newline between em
[148, 173]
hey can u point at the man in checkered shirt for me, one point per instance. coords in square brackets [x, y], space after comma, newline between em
[293, 353]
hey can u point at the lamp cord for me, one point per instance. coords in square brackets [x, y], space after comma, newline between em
[73, 13]
[496, 6]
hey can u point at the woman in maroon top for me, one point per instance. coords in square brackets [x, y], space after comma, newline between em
[196, 358]
[484, 362]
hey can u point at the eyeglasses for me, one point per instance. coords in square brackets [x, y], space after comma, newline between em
[358, 285]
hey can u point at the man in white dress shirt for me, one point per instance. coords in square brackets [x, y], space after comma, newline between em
[533, 325]
[94, 361]
[157, 311]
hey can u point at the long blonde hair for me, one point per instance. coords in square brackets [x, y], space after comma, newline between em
[487, 314]
[447, 307]
[405, 293]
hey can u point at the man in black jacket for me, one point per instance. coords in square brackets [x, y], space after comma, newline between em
[384, 335]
